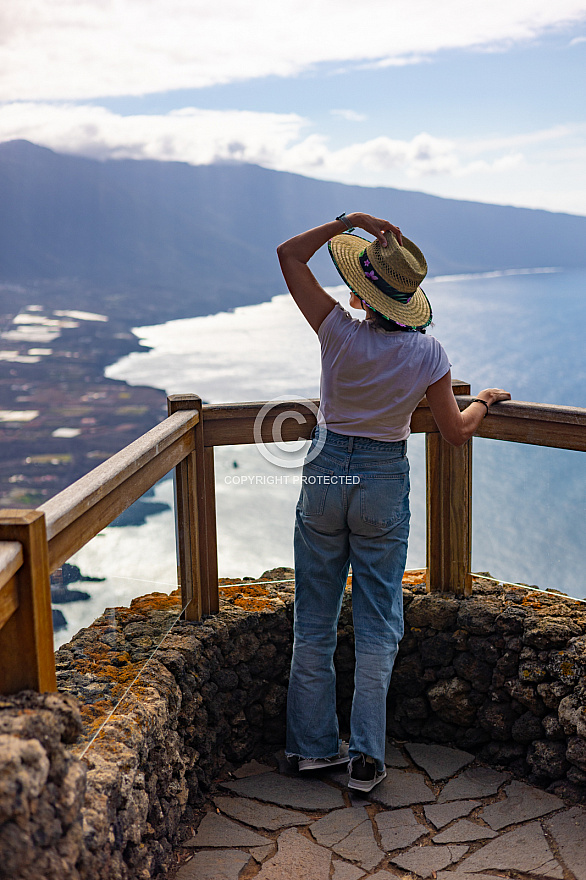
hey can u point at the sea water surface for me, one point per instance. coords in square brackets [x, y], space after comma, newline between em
[522, 330]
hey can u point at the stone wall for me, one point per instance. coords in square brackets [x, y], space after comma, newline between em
[501, 674]
[100, 780]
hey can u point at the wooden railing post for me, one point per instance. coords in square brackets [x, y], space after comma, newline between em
[196, 519]
[27, 659]
[449, 509]
[212, 596]
[187, 523]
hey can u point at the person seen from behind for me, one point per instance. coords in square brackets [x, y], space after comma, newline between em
[353, 509]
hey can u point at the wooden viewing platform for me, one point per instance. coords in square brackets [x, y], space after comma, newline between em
[35, 542]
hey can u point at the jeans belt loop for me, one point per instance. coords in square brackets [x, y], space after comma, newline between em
[350, 444]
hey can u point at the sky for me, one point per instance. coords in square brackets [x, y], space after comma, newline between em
[465, 100]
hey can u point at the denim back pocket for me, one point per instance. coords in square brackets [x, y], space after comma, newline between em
[384, 498]
[314, 489]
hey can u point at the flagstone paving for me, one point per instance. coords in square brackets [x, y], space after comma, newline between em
[569, 832]
[344, 871]
[462, 832]
[427, 860]
[260, 815]
[216, 830]
[337, 825]
[522, 803]
[438, 814]
[439, 762]
[477, 782]
[402, 789]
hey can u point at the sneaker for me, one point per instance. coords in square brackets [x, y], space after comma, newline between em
[363, 773]
[321, 763]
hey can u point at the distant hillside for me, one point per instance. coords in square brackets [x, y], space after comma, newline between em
[154, 240]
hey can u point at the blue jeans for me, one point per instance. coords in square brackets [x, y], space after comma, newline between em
[353, 510]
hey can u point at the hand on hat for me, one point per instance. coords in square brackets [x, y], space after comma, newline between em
[375, 226]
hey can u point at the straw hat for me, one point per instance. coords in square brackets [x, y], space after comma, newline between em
[386, 278]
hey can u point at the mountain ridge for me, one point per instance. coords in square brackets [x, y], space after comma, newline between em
[156, 240]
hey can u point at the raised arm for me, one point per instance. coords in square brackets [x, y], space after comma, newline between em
[295, 253]
[457, 427]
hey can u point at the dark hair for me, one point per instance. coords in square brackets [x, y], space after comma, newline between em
[389, 325]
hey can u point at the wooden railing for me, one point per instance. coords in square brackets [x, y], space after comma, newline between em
[35, 542]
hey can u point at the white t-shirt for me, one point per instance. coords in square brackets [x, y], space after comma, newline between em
[372, 379]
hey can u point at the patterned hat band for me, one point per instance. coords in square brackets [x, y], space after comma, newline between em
[374, 278]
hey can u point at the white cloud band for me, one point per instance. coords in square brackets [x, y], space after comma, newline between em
[203, 136]
[76, 49]
[497, 169]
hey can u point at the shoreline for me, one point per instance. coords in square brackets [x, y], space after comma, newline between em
[60, 415]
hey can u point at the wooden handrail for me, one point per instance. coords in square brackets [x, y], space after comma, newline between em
[540, 424]
[38, 541]
[80, 511]
[34, 542]
[227, 424]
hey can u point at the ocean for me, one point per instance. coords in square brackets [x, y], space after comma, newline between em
[517, 329]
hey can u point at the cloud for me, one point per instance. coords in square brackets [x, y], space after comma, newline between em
[503, 163]
[186, 135]
[274, 140]
[543, 168]
[79, 49]
[349, 115]
[422, 155]
[526, 139]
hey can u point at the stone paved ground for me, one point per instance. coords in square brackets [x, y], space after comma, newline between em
[438, 814]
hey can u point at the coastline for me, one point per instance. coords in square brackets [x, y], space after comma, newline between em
[59, 414]
[253, 352]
